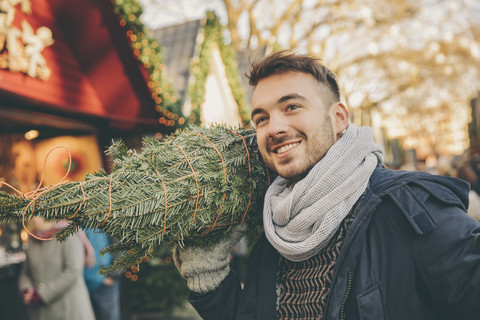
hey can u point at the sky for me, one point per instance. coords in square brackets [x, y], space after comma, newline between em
[156, 16]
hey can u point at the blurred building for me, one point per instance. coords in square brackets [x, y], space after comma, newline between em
[205, 72]
[68, 77]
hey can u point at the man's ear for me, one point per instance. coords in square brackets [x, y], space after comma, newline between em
[340, 113]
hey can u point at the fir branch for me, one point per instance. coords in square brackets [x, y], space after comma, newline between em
[182, 190]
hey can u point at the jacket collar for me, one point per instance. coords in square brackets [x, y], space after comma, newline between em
[384, 181]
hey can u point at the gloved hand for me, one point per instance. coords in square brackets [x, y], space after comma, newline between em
[205, 269]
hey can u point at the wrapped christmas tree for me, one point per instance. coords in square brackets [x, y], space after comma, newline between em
[190, 188]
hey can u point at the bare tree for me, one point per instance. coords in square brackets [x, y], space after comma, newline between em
[401, 58]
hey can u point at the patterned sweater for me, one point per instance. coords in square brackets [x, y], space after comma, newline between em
[303, 287]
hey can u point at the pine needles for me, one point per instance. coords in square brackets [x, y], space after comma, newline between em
[190, 188]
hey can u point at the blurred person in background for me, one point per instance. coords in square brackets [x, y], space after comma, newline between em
[468, 171]
[51, 281]
[104, 290]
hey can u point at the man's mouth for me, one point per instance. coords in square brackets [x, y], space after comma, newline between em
[285, 148]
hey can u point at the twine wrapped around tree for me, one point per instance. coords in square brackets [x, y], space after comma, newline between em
[192, 188]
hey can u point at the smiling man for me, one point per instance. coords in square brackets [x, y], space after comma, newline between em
[344, 237]
[286, 113]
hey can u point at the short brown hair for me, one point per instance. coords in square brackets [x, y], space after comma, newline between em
[286, 61]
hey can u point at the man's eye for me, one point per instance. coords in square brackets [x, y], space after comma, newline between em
[293, 106]
[260, 120]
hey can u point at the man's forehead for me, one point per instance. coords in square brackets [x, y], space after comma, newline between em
[282, 87]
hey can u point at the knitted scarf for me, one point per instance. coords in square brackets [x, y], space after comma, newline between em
[300, 222]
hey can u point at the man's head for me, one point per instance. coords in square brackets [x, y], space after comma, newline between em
[297, 111]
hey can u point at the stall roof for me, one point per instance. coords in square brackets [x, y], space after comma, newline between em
[94, 73]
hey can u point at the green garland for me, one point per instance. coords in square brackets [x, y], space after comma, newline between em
[213, 35]
[150, 54]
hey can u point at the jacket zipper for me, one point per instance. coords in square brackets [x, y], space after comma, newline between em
[345, 297]
[349, 274]
[356, 224]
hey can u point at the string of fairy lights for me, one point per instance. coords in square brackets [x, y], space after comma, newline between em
[149, 52]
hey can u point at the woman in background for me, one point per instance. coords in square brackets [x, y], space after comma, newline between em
[51, 281]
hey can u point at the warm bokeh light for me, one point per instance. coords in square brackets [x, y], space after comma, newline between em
[24, 236]
[32, 134]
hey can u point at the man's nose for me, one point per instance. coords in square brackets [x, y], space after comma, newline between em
[277, 126]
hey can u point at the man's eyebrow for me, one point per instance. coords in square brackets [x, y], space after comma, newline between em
[283, 99]
[290, 96]
[255, 111]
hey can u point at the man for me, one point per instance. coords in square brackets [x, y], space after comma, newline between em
[344, 237]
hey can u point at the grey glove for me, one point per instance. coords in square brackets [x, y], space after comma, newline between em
[205, 269]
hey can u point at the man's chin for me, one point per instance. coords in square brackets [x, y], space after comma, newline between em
[292, 176]
[288, 171]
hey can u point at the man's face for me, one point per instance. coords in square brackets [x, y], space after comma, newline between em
[295, 123]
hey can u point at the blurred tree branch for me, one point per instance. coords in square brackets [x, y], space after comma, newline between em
[398, 56]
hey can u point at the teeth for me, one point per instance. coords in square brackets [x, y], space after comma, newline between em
[287, 147]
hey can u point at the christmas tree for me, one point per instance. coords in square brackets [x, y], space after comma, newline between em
[189, 189]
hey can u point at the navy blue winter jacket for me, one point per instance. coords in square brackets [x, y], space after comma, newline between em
[410, 253]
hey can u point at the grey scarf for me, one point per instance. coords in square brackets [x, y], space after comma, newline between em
[300, 222]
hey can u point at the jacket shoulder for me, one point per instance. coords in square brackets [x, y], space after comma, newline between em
[416, 194]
